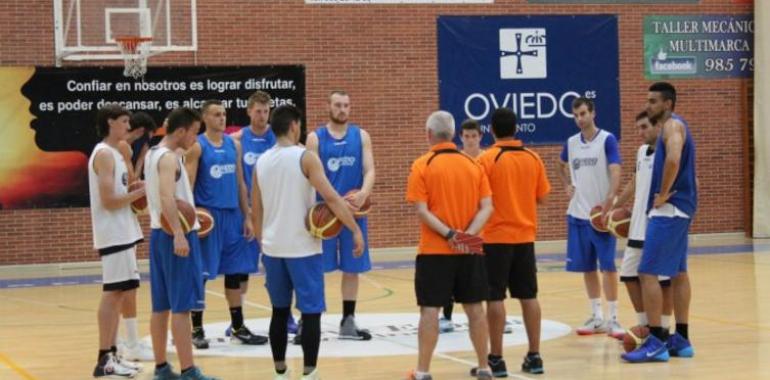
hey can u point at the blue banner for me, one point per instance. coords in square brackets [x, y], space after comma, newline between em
[535, 65]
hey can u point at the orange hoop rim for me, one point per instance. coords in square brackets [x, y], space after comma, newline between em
[130, 43]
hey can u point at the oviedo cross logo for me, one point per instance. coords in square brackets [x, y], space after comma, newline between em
[523, 53]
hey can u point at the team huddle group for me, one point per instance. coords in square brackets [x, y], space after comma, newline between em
[478, 221]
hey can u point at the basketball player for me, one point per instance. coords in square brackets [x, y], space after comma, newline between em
[116, 232]
[672, 204]
[283, 187]
[639, 188]
[176, 267]
[519, 183]
[590, 171]
[216, 175]
[451, 194]
[143, 128]
[346, 152]
[255, 139]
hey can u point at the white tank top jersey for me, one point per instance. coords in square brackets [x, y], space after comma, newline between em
[589, 172]
[286, 197]
[183, 190]
[645, 157]
[111, 228]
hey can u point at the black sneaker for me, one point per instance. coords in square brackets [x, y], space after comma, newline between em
[244, 336]
[497, 366]
[533, 364]
[199, 339]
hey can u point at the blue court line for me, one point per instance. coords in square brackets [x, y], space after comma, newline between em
[384, 265]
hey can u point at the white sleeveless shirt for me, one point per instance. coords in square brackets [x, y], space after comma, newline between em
[111, 228]
[589, 172]
[183, 190]
[286, 197]
[642, 179]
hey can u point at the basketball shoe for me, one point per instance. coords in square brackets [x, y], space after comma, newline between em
[166, 373]
[109, 368]
[138, 352]
[445, 325]
[312, 375]
[615, 330]
[195, 374]
[591, 326]
[496, 366]
[349, 330]
[652, 350]
[199, 339]
[680, 347]
[533, 364]
[244, 336]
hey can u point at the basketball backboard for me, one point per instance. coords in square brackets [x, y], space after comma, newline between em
[86, 29]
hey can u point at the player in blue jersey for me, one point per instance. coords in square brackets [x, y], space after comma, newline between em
[216, 174]
[671, 207]
[345, 150]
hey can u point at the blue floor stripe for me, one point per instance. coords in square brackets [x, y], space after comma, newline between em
[384, 265]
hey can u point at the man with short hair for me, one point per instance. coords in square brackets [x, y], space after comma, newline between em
[471, 138]
[452, 198]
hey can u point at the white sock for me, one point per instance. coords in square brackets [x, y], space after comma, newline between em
[612, 310]
[420, 375]
[641, 318]
[665, 322]
[596, 308]
[132, 331]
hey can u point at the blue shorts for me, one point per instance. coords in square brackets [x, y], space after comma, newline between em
[303, 275]
[176, 283]
[338, 252]
[225, 250]
[585, 246]
[665, 246]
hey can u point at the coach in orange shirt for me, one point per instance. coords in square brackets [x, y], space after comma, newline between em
[518, 181]
[451, 195]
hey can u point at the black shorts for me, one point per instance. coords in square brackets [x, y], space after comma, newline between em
[512, 267]
[440, 279]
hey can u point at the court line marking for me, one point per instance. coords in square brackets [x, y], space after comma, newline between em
[15, 367]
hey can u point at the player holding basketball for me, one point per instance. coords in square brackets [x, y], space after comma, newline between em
[176, 268]
[452, 198]
[639, 188]
[116, 232]
[589, 168]
[216, 174]
[672, 204]
[283, 186]
[346, 152]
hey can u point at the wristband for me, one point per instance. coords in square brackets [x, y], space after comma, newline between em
[449, 235]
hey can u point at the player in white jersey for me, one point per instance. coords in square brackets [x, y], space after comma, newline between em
[639, 188]
[590, 170]
[282, 191]
[176, 267]
[116, 232]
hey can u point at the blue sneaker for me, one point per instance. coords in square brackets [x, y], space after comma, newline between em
[679, 346]
[292, 325]
[195, 374]
[652, 350]
[166, 373]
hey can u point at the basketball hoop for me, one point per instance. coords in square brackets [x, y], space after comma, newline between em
[135, 51]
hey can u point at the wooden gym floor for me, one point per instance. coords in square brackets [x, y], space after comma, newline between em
[48, 321]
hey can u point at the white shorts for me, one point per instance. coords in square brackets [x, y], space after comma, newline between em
[119, 270]
[629, 268]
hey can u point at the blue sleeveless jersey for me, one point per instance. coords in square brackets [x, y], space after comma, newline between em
[216, 184]
[342, 158]
[685, 192]
[253, 146]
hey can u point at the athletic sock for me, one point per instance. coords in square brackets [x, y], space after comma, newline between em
[596, 308]
[658, 332]
[665, 322]
[161, 365]
[612, 310]
[448, 308]
[236, 317]
[102, 353]
[681, 329]
[348, 308]
[642, 319]
[197, 319]
[132, 331]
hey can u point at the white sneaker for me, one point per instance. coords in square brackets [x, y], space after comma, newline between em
[592, 326]
[508, 329]
[138, 367]
[445, 325]
[138, 352]
[615, 330]
[282, 376]
[109, 368]
[312, 375]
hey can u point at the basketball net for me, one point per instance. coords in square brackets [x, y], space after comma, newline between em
[135, 51]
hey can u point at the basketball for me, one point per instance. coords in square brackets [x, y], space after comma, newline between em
[321, 222]
[138, 206]
[206, 221]
[619, 222]
[186, 218]
[365, 208]
[596, 219]
[634, 337]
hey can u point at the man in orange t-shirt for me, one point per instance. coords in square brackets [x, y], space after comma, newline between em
[519, 183]
[451, 195]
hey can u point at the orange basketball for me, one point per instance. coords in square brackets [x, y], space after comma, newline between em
[321, 222]
[596, 219]
[138, 206]
[619, 222]
[206, 221]
[365, 208]
[186, 218]
[635, 337]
